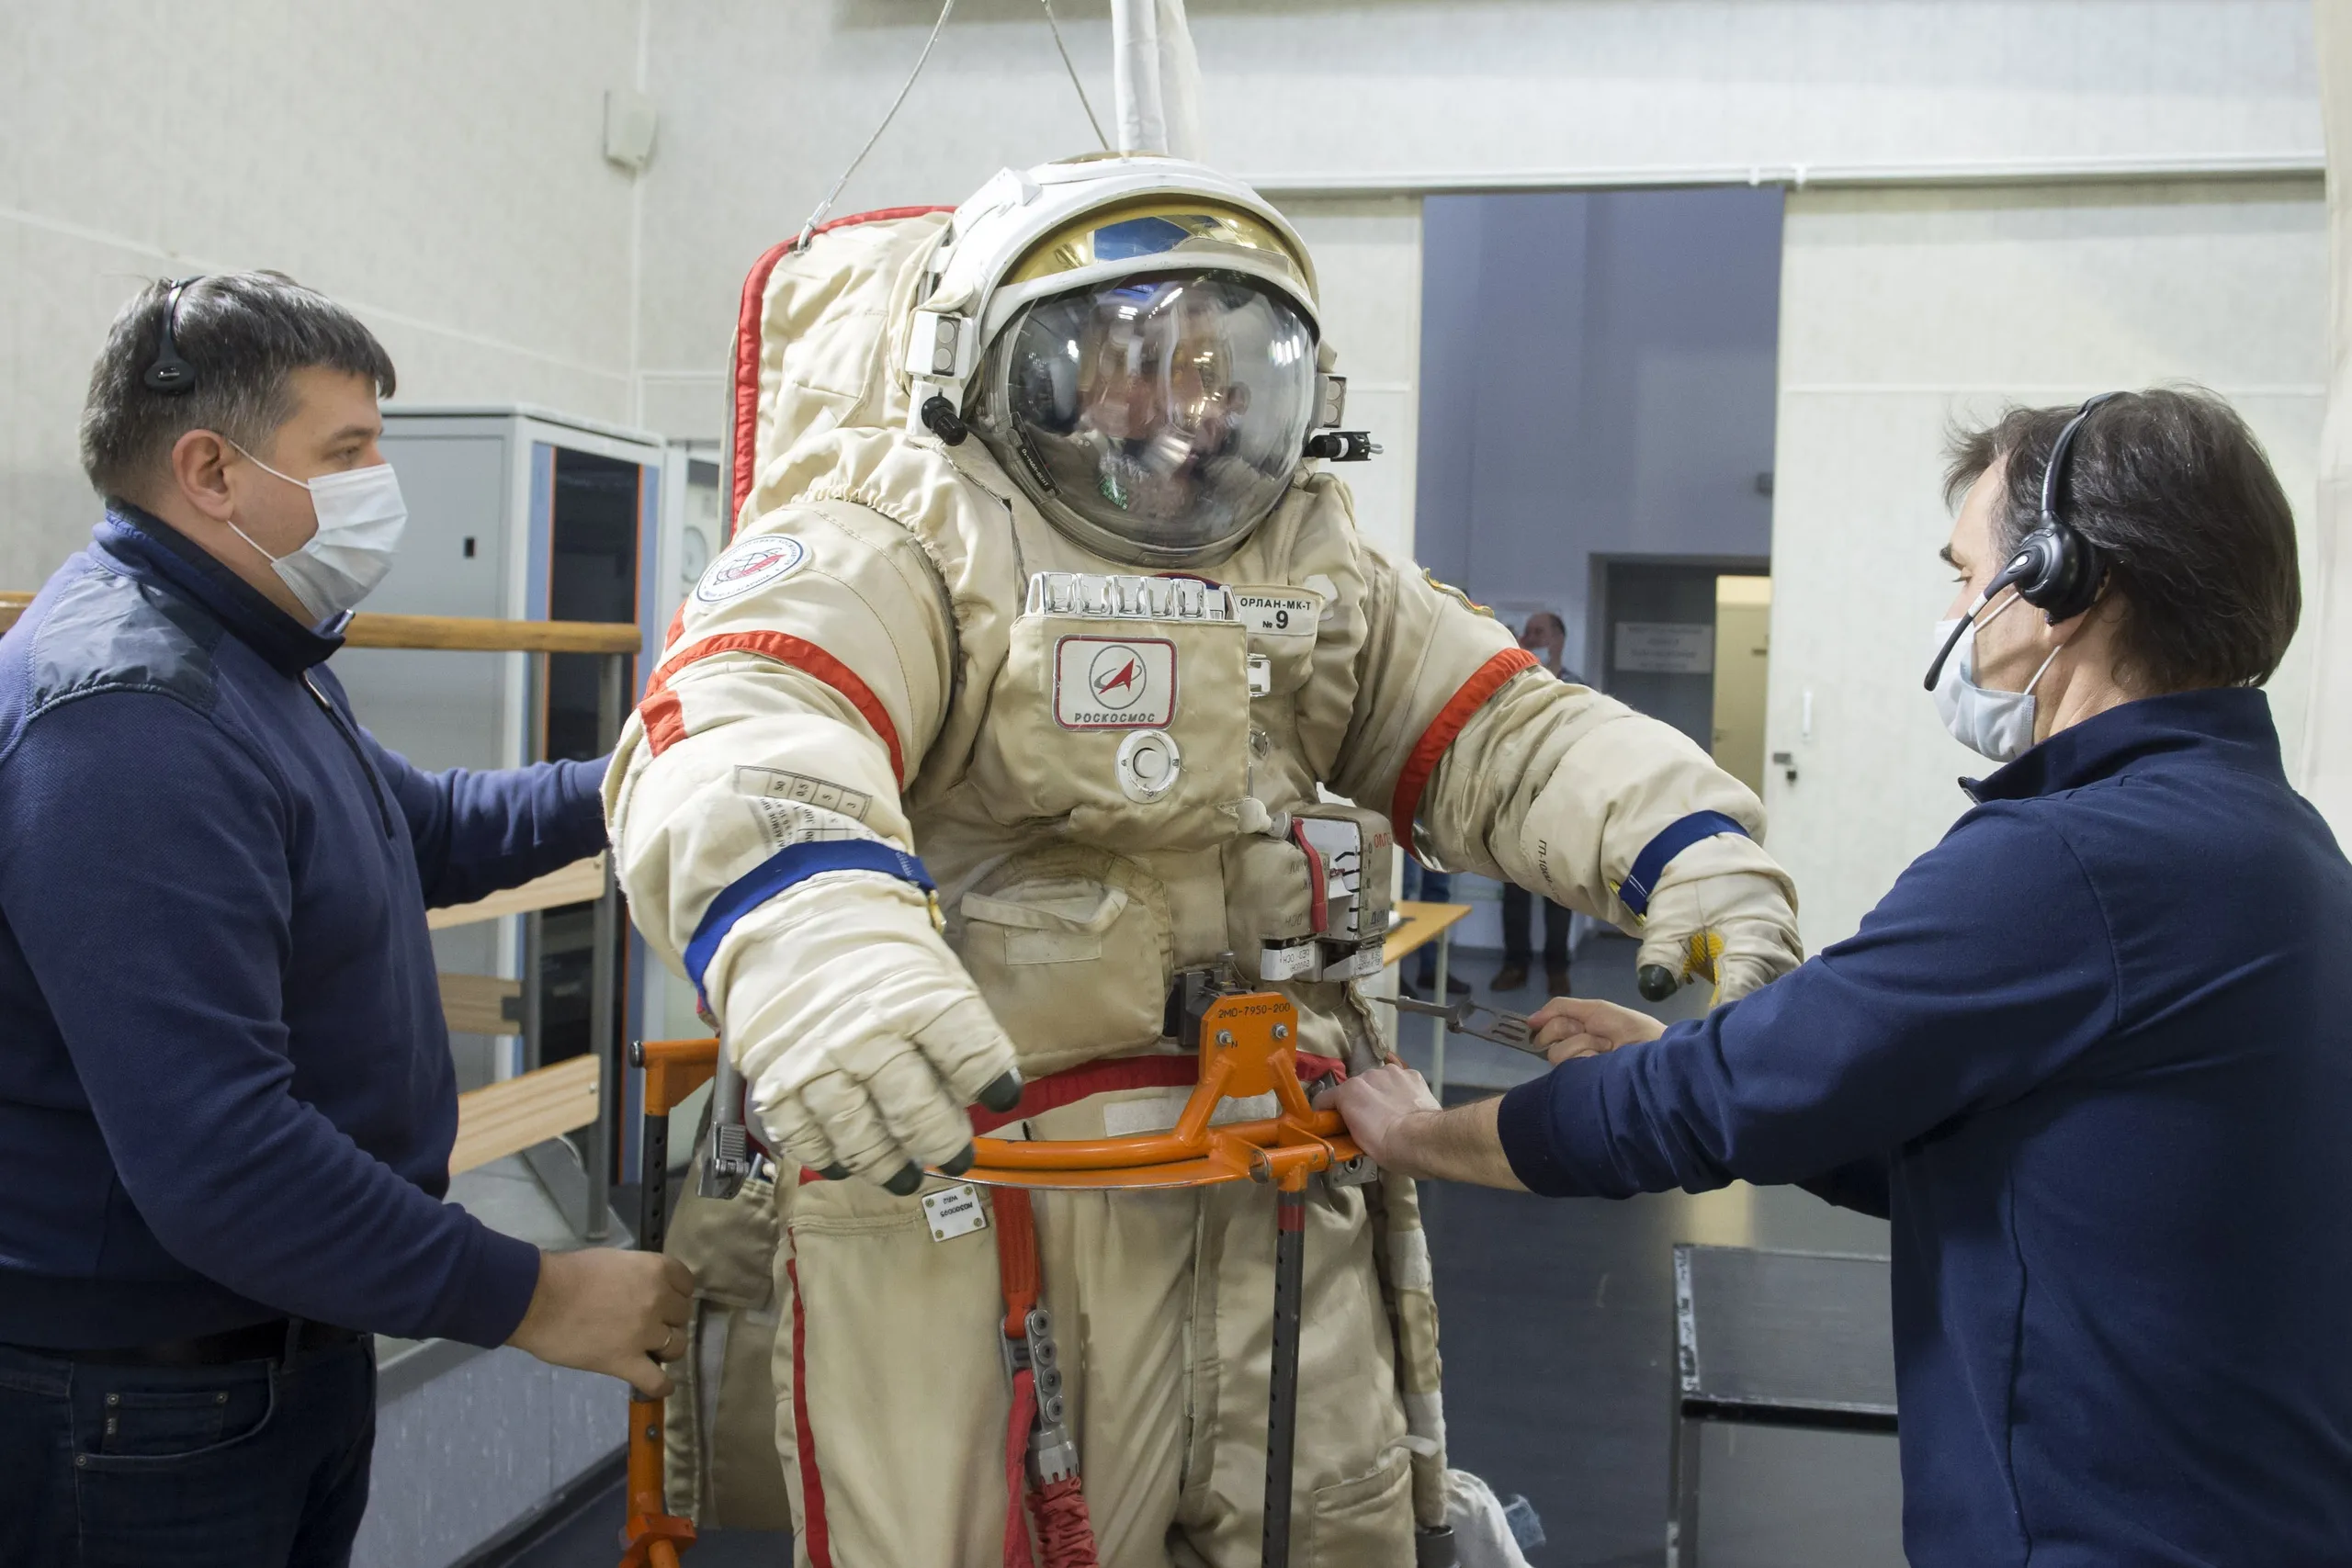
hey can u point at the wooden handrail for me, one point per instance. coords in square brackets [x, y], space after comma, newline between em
[509, 1116]
[465, 635]
[481, 1004]
[455, 633]
[581, 881]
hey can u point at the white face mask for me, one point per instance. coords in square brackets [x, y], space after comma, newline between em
[1997, 726]
[361, 516]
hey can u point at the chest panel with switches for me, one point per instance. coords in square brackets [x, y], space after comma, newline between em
[1346, 850]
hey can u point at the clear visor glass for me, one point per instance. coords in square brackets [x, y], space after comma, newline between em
[1164, 415]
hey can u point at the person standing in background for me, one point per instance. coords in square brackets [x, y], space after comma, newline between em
[1547, 637]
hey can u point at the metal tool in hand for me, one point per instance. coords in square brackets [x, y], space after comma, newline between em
[1507, 1028]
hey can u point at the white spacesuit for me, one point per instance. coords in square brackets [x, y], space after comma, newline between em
[1013, 705]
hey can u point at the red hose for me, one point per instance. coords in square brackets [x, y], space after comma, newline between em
[1016, 1456]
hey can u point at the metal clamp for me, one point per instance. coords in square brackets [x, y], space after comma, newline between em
[1053, 1451]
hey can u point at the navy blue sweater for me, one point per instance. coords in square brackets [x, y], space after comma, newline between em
[2091, 1056]
[225, 1086]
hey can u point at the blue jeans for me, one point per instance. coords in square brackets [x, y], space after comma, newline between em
[1429, 888]
[1519, 915]
[258, 1464]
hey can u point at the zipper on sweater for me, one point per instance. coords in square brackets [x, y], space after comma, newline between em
[383, 807]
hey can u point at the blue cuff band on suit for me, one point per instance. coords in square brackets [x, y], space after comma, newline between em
[793, 863]
[1651, 863]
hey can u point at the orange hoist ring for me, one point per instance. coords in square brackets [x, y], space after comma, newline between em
[1249, 1049]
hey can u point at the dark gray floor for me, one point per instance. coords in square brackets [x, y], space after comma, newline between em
[1558, 1321]
[592, 1540]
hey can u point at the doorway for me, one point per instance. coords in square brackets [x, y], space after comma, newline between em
[1687, 641]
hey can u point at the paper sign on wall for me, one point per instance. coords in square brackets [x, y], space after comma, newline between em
[1664, 648]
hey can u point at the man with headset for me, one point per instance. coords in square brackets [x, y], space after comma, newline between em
[2087, 1054]
[226, 1097]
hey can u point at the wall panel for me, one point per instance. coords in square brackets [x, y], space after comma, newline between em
[1903, 311]
[1367, 254]
[436, 166]
[765, 102]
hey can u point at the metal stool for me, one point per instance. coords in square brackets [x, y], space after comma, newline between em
[1790, 1339]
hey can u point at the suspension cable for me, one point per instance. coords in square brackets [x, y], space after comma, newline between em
[1071, 66]
[809, 228]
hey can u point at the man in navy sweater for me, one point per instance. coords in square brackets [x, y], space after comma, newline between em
[2089, 1055]
[226, 1098]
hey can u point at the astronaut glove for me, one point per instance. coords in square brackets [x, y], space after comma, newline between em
[1725, 912]
[862, 1036]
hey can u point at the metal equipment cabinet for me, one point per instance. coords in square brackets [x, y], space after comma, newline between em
[518, 514]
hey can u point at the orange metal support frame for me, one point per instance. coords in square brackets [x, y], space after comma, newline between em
[653, 1535]
[1249, 1047]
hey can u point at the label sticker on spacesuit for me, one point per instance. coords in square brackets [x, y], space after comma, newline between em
[747, 564]
[954, 1210]
[1276, 614]
[1102, 683]
[784, 823]
[776, 784]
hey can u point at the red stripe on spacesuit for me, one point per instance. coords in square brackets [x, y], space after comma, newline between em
[1440, 735]
[1108, 1077]
[665, 722]
[747, 348]
[813, 1533]
[1112, 1075]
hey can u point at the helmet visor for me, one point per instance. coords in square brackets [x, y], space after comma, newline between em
[1156, 418]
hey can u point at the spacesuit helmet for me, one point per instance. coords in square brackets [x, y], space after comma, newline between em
[1147, 368]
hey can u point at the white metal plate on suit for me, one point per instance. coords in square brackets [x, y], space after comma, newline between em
[954, 1210]
[1104, 682]
[1342, 964]
[1289, 961]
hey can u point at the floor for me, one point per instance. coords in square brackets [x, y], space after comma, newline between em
[1558, 1332]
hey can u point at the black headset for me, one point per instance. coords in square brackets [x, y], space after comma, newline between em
[2056, 569]
[169, 374]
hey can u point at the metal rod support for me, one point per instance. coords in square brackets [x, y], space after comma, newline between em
[1281, 1389]
[604, 989]
[1437, 1025]
[654, 1192]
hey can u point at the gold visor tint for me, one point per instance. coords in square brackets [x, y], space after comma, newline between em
[1187, 232]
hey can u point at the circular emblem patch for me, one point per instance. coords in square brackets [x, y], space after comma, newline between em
[1119, 677]
[747, 564]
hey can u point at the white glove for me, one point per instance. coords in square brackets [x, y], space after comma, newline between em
[1482, 1532]
[1724, 911]
[861, 1036]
